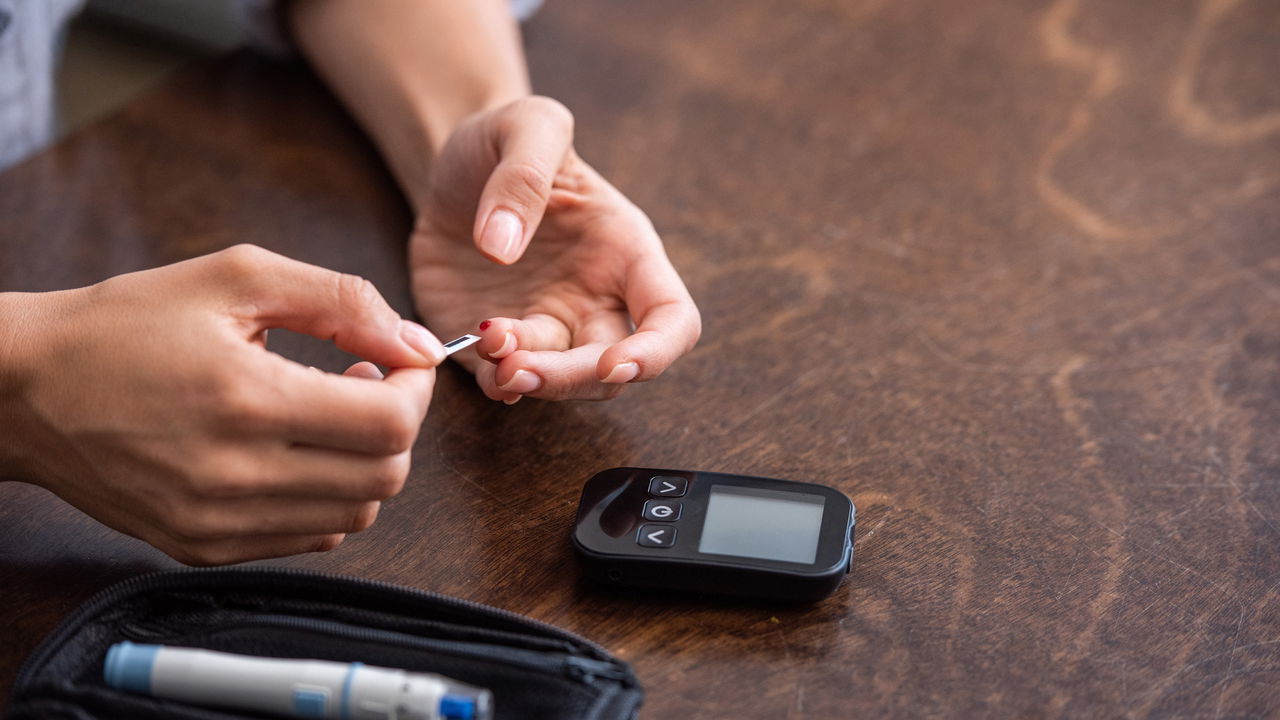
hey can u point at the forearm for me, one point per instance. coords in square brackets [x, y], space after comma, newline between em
[411, 70]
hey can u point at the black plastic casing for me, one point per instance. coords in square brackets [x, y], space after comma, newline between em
[610, 516]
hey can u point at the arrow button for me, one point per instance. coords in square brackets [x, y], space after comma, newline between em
[656, 536]
[668, 486]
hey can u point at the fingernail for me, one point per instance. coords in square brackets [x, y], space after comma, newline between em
[329, 542]
[522, 382]
[420, 339]
[514, 400]
[502, 235]
[623, 372]
[508, 347]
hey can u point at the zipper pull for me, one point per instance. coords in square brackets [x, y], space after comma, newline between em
[588, 670]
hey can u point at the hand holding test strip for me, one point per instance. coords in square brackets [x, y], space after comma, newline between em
[175, 424]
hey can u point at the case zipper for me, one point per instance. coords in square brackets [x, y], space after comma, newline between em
[573, 667]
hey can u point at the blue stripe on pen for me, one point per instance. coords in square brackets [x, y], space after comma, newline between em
[346, 689]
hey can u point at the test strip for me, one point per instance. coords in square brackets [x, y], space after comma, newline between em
[457, 344]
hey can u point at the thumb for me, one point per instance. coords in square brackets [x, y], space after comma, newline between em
[533, 136]
[346, 309]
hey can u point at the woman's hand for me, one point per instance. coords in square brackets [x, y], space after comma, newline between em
[575, 290]
[150, 402]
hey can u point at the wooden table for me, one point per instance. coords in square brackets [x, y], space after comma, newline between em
[1008, 274]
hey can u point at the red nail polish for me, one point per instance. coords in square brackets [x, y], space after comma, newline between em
[485, 325]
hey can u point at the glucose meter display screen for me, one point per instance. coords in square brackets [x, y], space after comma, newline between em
[764, 524]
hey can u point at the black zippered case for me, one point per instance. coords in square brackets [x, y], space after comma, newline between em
[536, 671]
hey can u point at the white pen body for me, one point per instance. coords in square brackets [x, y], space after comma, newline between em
[203, 677]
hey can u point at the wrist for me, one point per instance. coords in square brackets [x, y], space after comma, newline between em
[411, 73]
[24, 332]
[18, 312]
[435, 122]
[440, 119]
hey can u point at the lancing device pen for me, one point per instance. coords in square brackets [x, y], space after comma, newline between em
[292, 688]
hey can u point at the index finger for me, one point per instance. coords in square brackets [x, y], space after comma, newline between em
[346, 309]
[352, 413]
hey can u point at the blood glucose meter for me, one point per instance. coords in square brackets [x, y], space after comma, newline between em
[715, 533]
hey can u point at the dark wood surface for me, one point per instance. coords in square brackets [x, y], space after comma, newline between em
[1007, 273]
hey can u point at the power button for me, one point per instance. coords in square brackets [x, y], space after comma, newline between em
[661, 510]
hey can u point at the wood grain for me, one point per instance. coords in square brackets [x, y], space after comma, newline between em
[1028, 253]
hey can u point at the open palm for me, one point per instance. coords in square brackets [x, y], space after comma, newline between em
[572, 282]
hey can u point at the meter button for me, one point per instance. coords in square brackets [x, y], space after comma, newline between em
[668, 486]
[656, 536]
[661, 510]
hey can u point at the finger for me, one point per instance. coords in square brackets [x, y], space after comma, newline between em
[484, 378]
[668, 324]
[552, 377]
[555, 375]
[364, 370]
[226, 552]
[534, 137]
[304, 472]
[265, 515]
[346, 309]
[416, 384]
[347, 413]
[501, 336]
